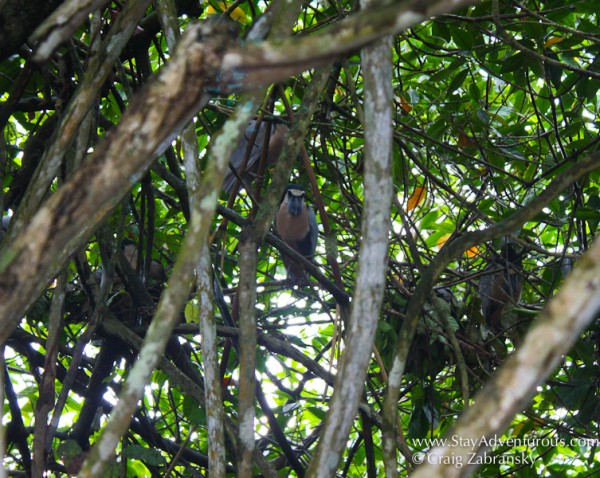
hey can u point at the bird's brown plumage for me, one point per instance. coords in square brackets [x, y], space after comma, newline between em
[296, 225]
[246, 157]
[500, 286]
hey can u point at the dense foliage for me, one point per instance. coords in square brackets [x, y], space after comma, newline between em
[492, 104]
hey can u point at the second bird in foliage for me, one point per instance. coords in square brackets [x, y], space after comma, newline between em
[501, 285]
[246, 158]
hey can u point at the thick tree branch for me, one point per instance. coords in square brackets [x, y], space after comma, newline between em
[271, 62]
[100, 66]
[72, 214]
[372, 262]
[58, 27]
[18, 18]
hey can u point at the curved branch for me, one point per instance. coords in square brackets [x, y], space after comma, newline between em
[29, 262]
[265, 63]
[349, 384]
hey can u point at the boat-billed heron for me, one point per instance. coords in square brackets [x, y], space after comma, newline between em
[246, 157]
[501, 285]
[296, 224]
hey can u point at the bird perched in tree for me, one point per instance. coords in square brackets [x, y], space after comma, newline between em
[246, 157]
[296, 224]
[130, 252]
[501, 285]
[156, 270]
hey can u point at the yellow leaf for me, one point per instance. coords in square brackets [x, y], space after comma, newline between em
[442, 240]
[472, 251]
[552, 41]
[237, 14]
[404, 104]
[417, 197]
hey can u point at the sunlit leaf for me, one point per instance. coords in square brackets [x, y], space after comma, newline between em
[237, 14]
[192, 314]
[442, 240]
[552, 41]
[404, 104]
[473, 251]
[417, 197]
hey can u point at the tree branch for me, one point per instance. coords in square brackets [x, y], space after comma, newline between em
[372, 262]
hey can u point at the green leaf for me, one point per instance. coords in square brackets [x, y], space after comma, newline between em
[419, 424]
[572, 395]
[514, 62]
[462, 38]
[149, 455]
[457, 81]
[193, 411]
[474, 92]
